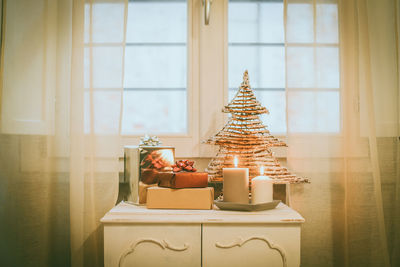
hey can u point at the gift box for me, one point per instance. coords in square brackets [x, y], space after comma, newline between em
[141, 167]
[187, 198]
[183, 179]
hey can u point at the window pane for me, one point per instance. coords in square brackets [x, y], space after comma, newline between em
[300, 70]
[106, 111]
[107, 19]
[155, 66]
[266, 66]
[107, 67]
[87, 24]
[314, 112]
[275, 101]
[157, 21]
[255, 22]
[300, 21]
[154, 112]
[327, 23]
[86, 65]
[271, 22]
[243, 21]
[327, 68]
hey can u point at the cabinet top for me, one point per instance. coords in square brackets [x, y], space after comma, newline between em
[127, 213]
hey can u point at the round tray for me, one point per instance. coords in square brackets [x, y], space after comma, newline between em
[246, 207]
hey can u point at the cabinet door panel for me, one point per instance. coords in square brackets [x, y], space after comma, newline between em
[152, 245]
[251, 245]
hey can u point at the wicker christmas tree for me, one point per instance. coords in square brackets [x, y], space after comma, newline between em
[246, 137]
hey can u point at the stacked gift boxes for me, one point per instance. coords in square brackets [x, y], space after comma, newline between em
[160, 183]
[183, 188]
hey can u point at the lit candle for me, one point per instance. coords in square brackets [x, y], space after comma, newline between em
[261, 188]
[236, 184]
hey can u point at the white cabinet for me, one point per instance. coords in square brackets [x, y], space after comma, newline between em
[136, 236]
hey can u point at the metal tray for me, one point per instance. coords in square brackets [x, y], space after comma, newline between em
[246, 207]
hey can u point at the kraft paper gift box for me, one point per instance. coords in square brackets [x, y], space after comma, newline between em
[186, 198]
[141, 166]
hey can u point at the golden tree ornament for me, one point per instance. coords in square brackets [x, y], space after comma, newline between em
[246, 137]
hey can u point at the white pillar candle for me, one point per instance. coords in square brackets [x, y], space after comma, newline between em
[236, 184]
[261, 188]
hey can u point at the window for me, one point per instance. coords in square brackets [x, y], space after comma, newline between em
[139, 72]
[301, 71]
[178, 73]
[104, 47]
[312, 52]
[154, 98]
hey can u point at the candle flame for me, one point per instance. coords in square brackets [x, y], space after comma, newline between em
[235, 161]
[262, 170]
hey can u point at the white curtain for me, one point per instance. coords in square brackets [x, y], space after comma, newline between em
[61, 101]
[60, 146]
[352, 205]
[96, 110]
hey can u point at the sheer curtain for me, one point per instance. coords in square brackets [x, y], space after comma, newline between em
[96, 110]
[34, 135]
[352, 205]
[61, 101]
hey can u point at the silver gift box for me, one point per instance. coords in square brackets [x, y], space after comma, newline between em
[141, 165]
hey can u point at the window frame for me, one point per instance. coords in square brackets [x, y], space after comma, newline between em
[207, 65]
[185, 143]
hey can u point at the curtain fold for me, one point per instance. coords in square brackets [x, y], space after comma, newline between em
[395, 259]
[351, 205]
[34, 135]
[101, 50]
[366, 75]
[59, 153]
[77, 159]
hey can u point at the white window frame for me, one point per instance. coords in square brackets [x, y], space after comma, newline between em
[207, 87]
[207, 82]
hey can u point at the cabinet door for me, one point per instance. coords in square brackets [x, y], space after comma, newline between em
[152, 245]
[251, 245]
